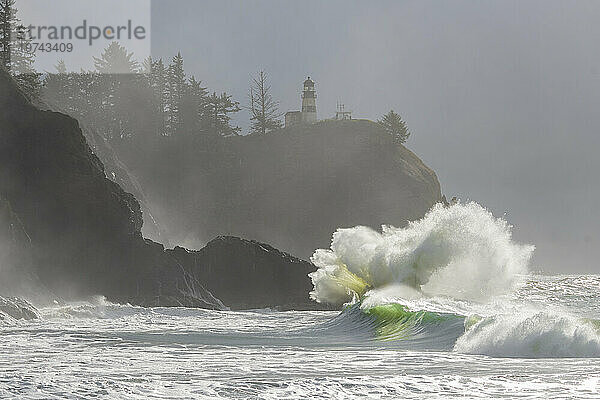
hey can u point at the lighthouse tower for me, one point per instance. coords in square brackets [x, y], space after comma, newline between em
[309, 102]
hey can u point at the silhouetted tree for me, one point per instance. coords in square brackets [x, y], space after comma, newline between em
[215, 114]
[61, 67]
[116, 60]
[395, 126]
[7, 22]
[176, 90]
[58, 88]
[192, 105]
[158, 81]
[146, 67]
[15, 53]
[264, 113]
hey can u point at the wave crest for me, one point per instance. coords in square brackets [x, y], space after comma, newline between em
[461, 251]
[538, 335]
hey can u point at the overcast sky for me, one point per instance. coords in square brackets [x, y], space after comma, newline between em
[502, 97]
[72, 13]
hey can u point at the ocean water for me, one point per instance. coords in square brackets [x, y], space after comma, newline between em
[101, 350]
[443, 308]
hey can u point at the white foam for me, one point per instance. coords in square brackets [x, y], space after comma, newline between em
[461, 251]
[533, 335]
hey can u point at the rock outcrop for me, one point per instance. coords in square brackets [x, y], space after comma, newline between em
[83, 228]
[16, 276]
[246, 274]
[76, 233]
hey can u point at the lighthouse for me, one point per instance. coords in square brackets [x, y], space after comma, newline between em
[308, 115]
[309, 102]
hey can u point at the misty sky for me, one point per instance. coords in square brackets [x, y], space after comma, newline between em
[72, 13]
[502, 97]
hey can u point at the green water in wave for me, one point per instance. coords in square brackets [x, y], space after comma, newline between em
[395, 322]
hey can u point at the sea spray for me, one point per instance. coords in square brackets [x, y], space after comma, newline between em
[461, 251]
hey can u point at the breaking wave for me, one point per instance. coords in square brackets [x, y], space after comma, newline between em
[532, 335]
[445, 282]
[461, 251]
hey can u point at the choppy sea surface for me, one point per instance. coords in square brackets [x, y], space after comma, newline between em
[542, 341]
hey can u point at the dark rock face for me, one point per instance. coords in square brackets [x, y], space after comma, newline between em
[16, 276]
[84, 230]
[246, 274]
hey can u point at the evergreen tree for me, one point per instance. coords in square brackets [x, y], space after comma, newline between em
[264, 113]
[7, 22]
[116, 60]
[395, 126]
[192, 105]
[147, 65]
[158, 81]
[176, 89]
[58, 88]
[15, 51]
[61, 67]
[113, 79]
[216, 114]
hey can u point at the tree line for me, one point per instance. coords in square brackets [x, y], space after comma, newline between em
[123, 99]
[121, 96]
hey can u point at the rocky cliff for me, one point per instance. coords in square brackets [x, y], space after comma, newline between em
[72, 232]
[291, 188]
[236, 270]
[76, 233]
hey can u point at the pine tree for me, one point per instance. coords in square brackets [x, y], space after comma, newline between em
[58, 90]
[116, 60]
[264, 113]
[393, 124]
[15, 50]
[216, 114]
[61, 67]
[7, 22]
[147, 65]
[176, 89]
[192, 105]
[160, 86]
[115, 69]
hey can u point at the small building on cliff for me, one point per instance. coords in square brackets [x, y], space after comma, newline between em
[308, 115]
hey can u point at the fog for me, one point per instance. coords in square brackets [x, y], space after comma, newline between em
[500, 96]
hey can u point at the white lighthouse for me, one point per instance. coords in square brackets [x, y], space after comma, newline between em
[308, 115]
[309, 102]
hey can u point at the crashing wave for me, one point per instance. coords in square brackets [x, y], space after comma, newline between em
[526, 334]
[440, 283]
[461, 251]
